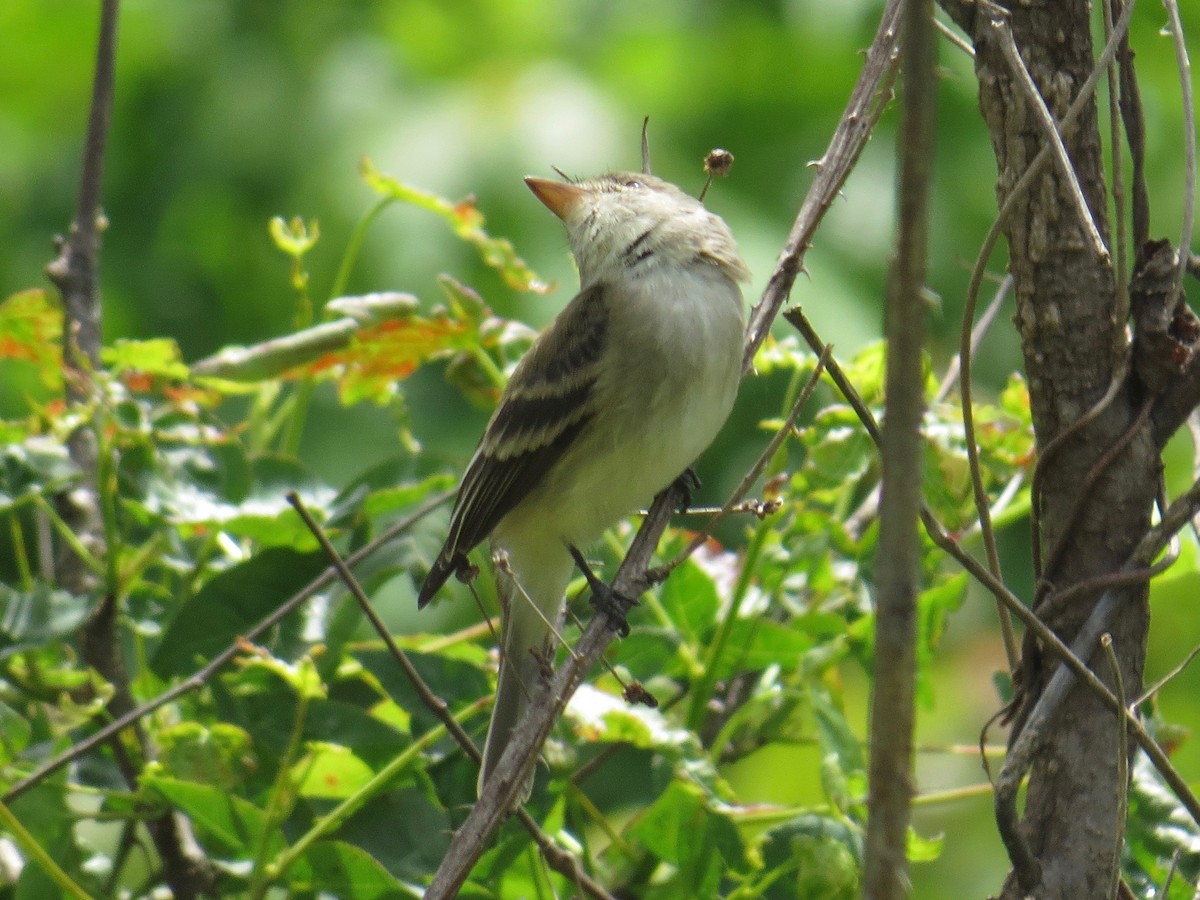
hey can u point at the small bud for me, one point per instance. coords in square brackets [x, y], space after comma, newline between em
[718, 163]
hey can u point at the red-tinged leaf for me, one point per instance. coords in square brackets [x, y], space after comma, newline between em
[378, 356]
[467, 221]
[31, 331]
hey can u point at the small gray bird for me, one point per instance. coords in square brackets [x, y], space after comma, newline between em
[616, 398]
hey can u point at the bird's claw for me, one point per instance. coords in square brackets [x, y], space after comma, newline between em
[604, 599]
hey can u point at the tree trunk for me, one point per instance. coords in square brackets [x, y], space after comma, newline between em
[1072, 328]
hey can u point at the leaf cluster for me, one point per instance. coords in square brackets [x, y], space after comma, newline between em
[309, 764]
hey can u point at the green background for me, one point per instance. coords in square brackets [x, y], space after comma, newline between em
[228, 113]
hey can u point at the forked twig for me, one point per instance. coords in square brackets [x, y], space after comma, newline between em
[1023, 184]
[998, 19]
[549, 699]
[562, 861]
[756, 470]
[201, 676]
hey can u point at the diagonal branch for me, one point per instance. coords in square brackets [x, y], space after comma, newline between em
[550, 698]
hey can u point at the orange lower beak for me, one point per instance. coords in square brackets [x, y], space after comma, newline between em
[559, 196]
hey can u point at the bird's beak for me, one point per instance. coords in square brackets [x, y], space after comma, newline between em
[560, 197]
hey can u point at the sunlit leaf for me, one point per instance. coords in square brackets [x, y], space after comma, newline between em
[467, 222]
[31, 326]
[330, 771]
[156, 357]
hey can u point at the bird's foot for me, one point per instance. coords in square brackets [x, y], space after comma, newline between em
[685, 485]
[604, 599]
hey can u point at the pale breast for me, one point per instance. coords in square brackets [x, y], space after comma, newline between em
[676, 358]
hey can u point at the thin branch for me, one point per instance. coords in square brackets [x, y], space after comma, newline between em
[549, 699]
[1189, 142]
[1135, 133]
[898, 571]
[201, 676]
[1114, 667]
[1008, 46]
[867, 102]
[1175, 672]
[560, 860]
[76, 270]
[1118, 173]
[954, 37]
[977, 334]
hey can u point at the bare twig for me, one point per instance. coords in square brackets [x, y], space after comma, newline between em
[898, 571]
[201, 676]
[866, 105]
[1118, 174]
[560, 860]
[747, 482]
[1189, 142]
[1175, 672]
[1114, 666]
[548, 700]
[1008, 46]
[977, 334]
[954, 37]
[1135, 131]
[76, 271]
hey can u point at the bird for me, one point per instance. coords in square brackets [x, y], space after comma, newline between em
[614, 400]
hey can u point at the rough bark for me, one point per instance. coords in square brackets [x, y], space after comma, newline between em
[1072, 330]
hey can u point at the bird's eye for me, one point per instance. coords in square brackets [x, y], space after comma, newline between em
[635, 184]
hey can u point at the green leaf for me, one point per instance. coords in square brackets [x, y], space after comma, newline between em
[690, 599]
[835, 734]
[338, 869]
[683, 829]
[922, 849]
[232, 824]
[812, 858]
[36, 465]
[1158, 828]
[216, 754]
[229, 604]
[158, 356]
[37, 616]
[467, 222]
[31, 326]
[330, 771]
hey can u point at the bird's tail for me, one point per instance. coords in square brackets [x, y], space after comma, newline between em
[531, 595]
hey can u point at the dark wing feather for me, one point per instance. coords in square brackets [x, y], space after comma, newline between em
[547, 403]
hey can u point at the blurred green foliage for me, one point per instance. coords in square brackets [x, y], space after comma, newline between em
[229, 115]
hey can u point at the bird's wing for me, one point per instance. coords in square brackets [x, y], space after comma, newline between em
[548, 402]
